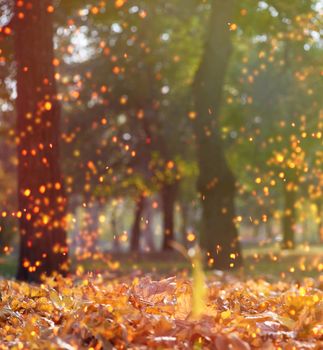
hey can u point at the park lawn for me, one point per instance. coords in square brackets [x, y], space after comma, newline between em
[264, 261]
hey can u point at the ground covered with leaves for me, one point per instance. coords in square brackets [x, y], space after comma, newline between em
[143, 313]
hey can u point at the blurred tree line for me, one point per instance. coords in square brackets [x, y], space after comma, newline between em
[181, 109]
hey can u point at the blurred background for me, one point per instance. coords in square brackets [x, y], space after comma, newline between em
[129, 134]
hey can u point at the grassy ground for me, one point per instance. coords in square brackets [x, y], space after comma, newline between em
[272, 262]
[269, 261]
[7, 266]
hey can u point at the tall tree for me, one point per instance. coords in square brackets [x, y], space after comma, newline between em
[42, 201]
[216, 182]
[135, 232]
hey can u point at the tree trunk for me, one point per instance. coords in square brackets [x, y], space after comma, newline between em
[74, 204]
[3, 234]
[168, 194]
[135, 232]
[320, 222]
[42, 201]
[184, 224]
[289, 219]
[256, 230]
[114, 228]
[148, 232]
[90, 231]
[216, 183]
[269, 229]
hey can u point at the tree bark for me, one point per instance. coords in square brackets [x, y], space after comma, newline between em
[41, 196]
[256, 230]
[289, 219]
[216, 183]
[184, 224]
[269, 229]
[90, 231]
[135, 232]
[114, 228]
[319, 207]
[168, 194]
[148, 232]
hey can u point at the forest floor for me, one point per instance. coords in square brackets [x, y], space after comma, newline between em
[269, 261]
[156, 303]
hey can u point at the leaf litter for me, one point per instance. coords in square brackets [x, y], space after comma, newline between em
[132, 312]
